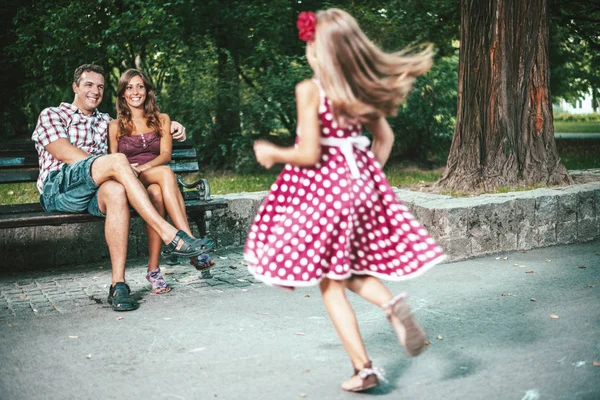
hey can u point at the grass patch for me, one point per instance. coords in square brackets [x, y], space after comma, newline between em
[19, 193]
[577, 127]
[579, 154]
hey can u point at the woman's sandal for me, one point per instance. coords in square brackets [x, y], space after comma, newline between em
[202, 262]
[159, 286]
[364, 379]
[191, 246]
[409, 332]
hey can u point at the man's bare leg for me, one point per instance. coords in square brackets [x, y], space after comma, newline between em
[116, 167]
[112, 201]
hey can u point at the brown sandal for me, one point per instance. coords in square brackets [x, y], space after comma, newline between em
[202, 262]
[409, 332]
[364, 379]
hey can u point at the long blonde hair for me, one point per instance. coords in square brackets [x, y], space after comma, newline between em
[362, 81]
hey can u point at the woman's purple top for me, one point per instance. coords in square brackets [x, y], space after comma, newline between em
[140, 149]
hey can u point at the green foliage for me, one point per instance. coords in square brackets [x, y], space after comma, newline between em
[227, 70]
[425, 125]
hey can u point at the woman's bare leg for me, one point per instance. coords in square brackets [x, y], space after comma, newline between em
[164, 177]
[154, 240]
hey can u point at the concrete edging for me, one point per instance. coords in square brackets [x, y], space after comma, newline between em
[464, 227]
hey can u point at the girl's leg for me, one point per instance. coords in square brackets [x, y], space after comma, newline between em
[164, 177]
[344, 320]
[409, 332]
[370, 289]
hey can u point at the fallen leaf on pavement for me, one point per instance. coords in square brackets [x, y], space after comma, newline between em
[548, 260]
[23, 297]
[497, 258]
[233, 266]
[299, 333]
[529, 272]
[506, 294]
[505, 258]
[596, 364]
[427, 342]
[307, 371]
[307, 295]
[440, 337]
[516, 265]
[243, 263]
[119, 318]
[73, 337]
[89, 356]
[533, 299]
[581, 266]
[553, 316]
[589, 286]
[303, 395]
[242, 280]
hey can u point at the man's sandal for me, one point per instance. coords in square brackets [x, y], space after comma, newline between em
[202, 262]
[190, 247]
[364, 379]
[409, 332]
[159, 286]
[119, 296]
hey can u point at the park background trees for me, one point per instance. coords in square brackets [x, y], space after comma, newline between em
[227, 69]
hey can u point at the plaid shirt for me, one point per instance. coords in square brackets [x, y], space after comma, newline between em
[87, 132]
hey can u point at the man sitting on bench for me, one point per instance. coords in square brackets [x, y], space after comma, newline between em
[77, 175]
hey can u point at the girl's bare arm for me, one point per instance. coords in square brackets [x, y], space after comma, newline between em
[383, 139]
[308, 152]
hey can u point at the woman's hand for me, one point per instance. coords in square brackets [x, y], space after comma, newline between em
[264, 152]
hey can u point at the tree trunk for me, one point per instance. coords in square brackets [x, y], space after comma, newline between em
[504, 133]
[227, 119]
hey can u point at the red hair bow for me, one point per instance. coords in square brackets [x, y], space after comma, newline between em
[307, 20]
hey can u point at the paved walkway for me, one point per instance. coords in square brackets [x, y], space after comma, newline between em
[491, 322]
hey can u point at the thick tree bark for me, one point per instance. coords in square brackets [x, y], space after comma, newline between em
[504, 132]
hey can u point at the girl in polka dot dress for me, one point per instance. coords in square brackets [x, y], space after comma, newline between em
[331, 218]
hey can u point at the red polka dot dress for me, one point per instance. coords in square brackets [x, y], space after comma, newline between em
[336, 219]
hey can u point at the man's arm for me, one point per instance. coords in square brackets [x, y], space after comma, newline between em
[178, 131]
[64, 151]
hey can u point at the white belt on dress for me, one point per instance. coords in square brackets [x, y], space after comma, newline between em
[346, 146]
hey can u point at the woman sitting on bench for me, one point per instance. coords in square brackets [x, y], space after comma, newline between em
[138, 133]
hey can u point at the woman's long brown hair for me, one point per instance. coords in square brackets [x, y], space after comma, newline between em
[151, 110]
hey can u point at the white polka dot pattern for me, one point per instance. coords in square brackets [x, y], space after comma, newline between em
[321, 222]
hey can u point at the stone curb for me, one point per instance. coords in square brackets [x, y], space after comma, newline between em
[464, 227]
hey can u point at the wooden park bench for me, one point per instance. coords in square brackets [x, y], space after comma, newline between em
[19, 163]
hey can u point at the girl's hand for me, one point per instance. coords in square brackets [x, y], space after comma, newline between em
[264, 152]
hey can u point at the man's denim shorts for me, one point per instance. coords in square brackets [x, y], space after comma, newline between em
[72, 189]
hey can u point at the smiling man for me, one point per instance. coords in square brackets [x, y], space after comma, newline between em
[77, 175]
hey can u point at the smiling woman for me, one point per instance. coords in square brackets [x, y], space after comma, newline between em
[139, 133]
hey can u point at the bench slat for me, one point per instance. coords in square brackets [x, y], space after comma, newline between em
[18, 176]
[30, 159]
[23, 215]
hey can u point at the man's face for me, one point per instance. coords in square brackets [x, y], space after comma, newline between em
[89, 92]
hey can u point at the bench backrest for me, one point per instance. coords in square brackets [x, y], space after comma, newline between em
[19, 161]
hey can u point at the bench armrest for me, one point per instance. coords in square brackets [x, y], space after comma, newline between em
[201, 185]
